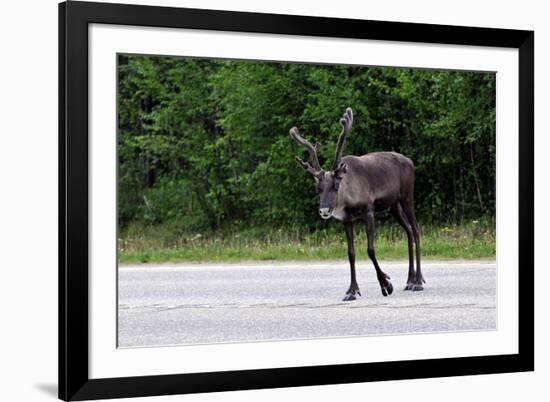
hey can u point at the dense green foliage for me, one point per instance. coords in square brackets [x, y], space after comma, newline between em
[203, 145]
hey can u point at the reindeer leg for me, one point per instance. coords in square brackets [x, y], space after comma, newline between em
[383, 279]
[353, 287]
[408, 208]
[400, 217]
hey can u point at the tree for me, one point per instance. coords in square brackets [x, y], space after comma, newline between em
[204, 144]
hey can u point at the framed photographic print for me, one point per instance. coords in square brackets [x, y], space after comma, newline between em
[258, 200]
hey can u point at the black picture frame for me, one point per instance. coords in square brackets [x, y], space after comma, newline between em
[74, 381]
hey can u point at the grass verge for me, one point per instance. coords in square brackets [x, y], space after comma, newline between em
[157, 244]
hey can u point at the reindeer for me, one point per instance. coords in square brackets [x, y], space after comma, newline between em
[358, 186]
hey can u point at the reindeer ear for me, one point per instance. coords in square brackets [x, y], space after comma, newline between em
[340, 170]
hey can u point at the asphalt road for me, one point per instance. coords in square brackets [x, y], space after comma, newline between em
[206, 303]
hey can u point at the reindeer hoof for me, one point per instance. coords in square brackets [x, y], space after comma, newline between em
[409, 286]
[352, 292]
[416, 287]
[387, 289]
[349, 297]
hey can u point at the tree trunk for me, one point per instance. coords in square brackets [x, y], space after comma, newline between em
[476, 178]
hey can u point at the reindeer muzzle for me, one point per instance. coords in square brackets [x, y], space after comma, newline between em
[325, 213]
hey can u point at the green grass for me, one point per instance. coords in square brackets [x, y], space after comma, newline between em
[157, 244]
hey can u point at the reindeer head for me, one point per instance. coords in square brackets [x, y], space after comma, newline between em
[327, 183]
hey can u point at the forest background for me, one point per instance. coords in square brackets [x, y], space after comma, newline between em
[207, 169]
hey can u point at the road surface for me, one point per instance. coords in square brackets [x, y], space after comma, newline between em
[207, 303]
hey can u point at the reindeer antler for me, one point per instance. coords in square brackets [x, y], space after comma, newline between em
[295, 134]
[307, 167]
[346, 121]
